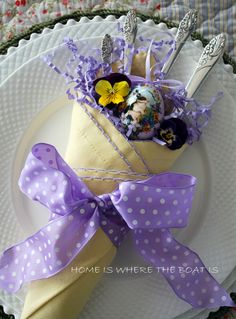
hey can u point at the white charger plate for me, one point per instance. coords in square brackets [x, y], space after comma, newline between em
[45, 126]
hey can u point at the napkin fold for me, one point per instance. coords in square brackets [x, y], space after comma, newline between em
[102, 157]
[64, 295]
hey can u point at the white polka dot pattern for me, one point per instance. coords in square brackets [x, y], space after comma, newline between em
[76, 215]
[147, 207]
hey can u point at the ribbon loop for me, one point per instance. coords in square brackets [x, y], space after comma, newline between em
[162, 201]
[166, 85]
[48, 179]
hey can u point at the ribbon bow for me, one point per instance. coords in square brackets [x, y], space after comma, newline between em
[148, 208]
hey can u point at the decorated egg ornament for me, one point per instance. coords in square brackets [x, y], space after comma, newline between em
[144, 112]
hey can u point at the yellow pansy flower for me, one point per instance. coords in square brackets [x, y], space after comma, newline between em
[111, 94]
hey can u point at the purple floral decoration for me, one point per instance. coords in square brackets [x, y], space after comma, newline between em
[173, 132]
[83, 72]
[113, 78]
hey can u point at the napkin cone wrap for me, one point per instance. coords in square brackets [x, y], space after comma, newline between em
[106, 157]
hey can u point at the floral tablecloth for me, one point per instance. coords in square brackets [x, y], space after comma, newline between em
[17, 16]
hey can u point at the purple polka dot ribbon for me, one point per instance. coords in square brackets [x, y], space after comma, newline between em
[148, 208]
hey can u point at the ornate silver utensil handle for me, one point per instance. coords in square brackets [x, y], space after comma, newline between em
[210, 55]
[130, 29]
[186, 27]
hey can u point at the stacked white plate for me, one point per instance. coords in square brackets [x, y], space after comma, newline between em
[34, 108]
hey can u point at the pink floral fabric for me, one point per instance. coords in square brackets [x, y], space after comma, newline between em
[17, 16]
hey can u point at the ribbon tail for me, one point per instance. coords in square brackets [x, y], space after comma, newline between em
[182, 268]
[48, 251]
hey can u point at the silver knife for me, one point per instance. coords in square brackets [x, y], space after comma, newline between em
[129, 33]
[186, 27]
[210, 55]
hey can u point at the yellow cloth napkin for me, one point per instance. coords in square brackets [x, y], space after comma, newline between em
[94, 143]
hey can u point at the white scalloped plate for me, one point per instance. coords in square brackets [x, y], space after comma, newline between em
[33, 113]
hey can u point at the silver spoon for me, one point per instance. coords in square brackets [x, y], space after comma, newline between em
[186, 27]
[129, 33]
[106, 49]
[210, 55]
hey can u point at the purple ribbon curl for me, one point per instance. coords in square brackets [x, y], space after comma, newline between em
[148, 208]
